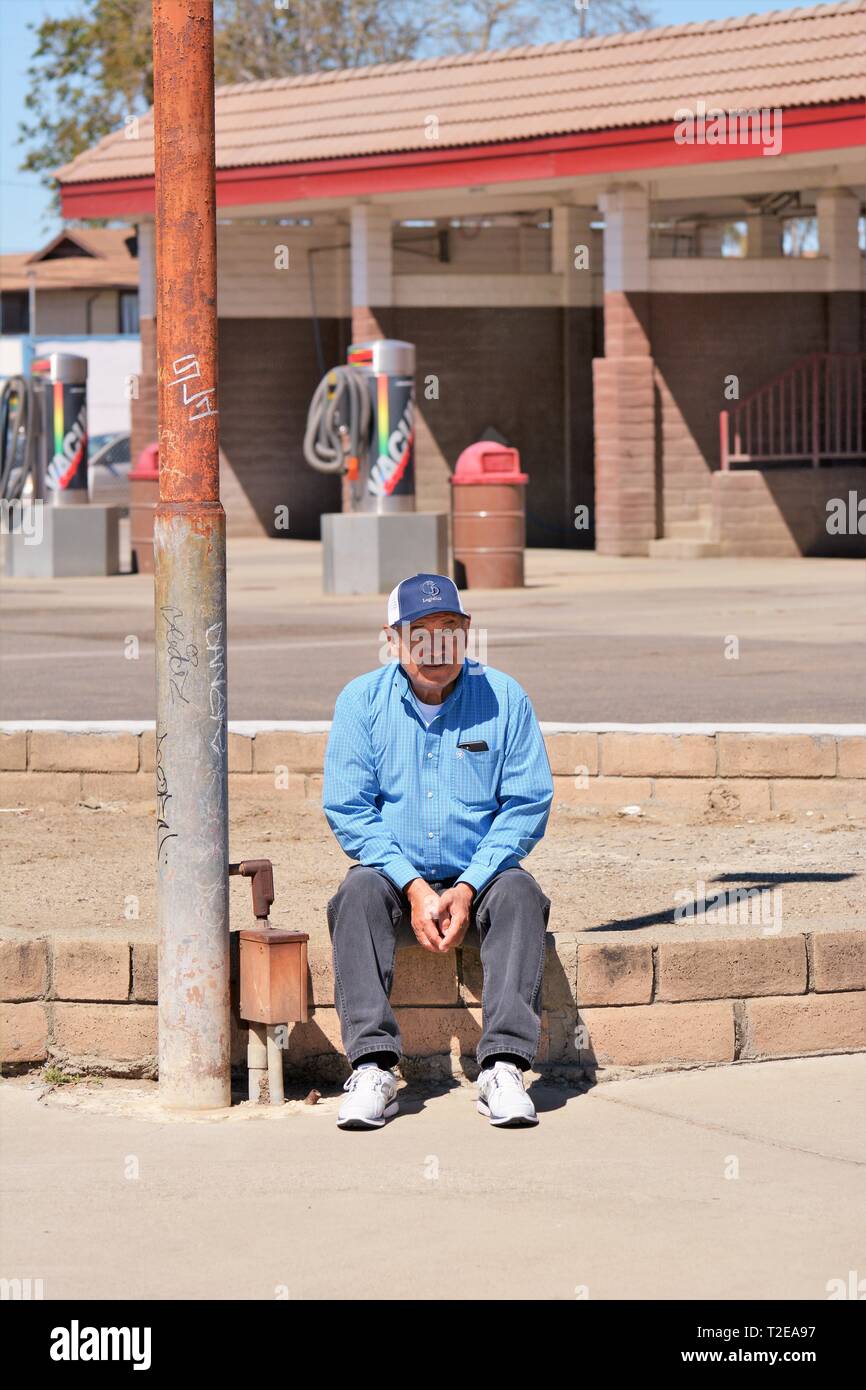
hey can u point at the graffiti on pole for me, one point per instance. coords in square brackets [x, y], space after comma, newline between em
[187, 369]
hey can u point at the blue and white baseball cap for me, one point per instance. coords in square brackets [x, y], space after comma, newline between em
[421, 594]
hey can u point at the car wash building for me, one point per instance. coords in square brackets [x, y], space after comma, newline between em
[638, 259]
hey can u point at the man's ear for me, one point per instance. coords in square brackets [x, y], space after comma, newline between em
[393, 639]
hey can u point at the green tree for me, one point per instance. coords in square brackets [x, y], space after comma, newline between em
[88, 72]
[92, 70]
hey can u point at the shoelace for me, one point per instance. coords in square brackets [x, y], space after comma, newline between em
[499, 1074]
[377, 1079]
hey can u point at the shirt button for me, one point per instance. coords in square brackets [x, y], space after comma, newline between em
[429, 755]
[429, 834]
[429, 793]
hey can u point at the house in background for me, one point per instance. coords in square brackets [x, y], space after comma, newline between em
[82, 282]
[587, 260]
[78, 294]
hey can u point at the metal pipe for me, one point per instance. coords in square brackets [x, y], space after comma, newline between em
[88, 312]
[31, 303]
[189, 556]
[275, 1067]
[258, 1060]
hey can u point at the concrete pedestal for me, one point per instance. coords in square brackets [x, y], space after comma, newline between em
[368, 553]
[75, 541]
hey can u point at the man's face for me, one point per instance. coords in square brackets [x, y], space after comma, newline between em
[432, 650]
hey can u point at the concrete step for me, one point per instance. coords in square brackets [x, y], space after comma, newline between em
[682, 548]
[699, 528]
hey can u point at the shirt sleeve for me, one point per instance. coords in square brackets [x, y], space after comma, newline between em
[525, 793]
[350, 796]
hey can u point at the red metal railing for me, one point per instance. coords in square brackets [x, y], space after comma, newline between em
[813, 412]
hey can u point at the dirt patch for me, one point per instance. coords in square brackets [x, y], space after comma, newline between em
[81, 870]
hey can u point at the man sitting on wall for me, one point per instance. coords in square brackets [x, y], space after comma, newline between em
[437, 782]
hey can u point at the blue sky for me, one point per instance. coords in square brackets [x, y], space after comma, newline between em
[25, 220]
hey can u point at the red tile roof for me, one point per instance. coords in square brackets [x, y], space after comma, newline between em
[784, 58]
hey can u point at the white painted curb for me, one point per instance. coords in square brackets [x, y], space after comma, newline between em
[251, 727]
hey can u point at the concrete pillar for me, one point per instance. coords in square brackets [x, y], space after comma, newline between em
[372, 268]
[623, 384]
[626, 238]
[838, 213]
[626, 272]
[576, 255]
[571, 253]
[710, 237]
[146, 235]
[764, 237]
[142, 406]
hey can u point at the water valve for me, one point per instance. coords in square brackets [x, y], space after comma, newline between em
[273, 982]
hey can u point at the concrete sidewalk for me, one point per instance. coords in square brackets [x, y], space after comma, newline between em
[623, 1192]
[592, 639]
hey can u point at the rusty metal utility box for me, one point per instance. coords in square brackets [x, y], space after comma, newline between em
[273, 969]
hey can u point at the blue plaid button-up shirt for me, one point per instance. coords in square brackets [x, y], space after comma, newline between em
[403, 798]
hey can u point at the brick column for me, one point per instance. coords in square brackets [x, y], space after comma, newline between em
[623, 384]
[142, 407]
[372, 270]
[838, 213]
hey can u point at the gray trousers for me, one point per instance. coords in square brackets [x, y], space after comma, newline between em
[365, 917]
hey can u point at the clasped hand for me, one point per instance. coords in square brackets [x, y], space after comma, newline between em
[439, 920]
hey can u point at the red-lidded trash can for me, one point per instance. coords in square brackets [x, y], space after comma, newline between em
[143, 497]
[489, 511]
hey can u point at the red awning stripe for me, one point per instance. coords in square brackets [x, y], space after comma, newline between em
[841, 125]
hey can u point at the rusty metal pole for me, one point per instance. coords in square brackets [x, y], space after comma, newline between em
[189, 558]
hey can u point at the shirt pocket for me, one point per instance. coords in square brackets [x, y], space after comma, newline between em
[475, 777]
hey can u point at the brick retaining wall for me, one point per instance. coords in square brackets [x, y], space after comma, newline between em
[692, 772]
[610, 1008]
[613, 1007]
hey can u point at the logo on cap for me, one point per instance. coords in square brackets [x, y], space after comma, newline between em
[430, 590]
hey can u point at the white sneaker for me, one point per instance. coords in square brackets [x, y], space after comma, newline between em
[372, 1098]
[502, 1096]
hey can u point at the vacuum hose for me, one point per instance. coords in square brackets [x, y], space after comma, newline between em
[338, 422]
[17, 438]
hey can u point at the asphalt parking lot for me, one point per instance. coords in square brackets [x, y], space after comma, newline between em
[591, 638]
